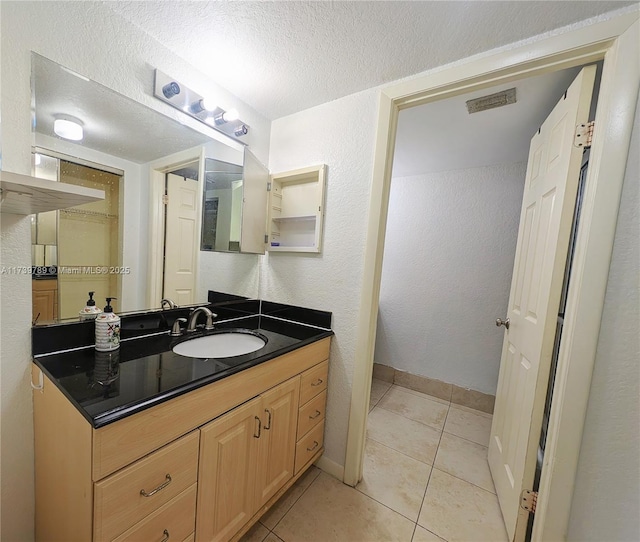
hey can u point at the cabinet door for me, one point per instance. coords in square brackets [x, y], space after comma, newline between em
[226, 481]
[278, 442]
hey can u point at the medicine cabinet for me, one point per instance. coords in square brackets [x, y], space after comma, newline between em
[234, 208]
[296, 209]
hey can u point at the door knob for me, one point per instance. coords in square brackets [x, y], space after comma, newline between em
[501, 322]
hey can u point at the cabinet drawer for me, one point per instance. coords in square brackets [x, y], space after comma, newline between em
[313, 381]
[309, 446]
[174, 521]
[118, 500]
[311, 413]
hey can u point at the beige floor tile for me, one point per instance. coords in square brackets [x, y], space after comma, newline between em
[257, 533]
[461, 512]
[470, 424]
[422, 535]
[425, 395]
[273, 538]
[332, 511]
[404, 435]
[272, 516]
[394, 479]
[378, 389]
[412, 406]
[464, 459]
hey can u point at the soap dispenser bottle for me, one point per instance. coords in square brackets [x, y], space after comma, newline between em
[90, 311]
[107, 329]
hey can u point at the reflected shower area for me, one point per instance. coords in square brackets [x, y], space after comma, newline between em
[73, 250]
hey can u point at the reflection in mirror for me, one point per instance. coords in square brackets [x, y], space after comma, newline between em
[135, 151]
[222, 206]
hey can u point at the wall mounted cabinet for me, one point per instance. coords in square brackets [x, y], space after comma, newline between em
[296, 209]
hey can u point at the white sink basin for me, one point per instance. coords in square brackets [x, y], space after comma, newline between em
[220, 345]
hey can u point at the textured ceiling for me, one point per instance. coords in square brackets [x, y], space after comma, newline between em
[283, 57]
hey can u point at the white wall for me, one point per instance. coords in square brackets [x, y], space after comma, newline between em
[606, 498]
[341, 135]
[89, 38]
[448, 260]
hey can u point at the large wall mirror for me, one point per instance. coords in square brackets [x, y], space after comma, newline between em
[146, 240]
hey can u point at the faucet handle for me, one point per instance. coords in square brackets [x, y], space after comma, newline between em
[209, 325]
[176, 331]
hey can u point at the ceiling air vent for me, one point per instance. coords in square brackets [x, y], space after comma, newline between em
[504, 97]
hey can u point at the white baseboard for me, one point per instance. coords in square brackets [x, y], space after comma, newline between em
[330, 467]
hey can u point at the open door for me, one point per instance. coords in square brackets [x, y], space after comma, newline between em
[545, 224]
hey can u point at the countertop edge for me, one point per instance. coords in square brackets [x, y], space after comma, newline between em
[117, 414]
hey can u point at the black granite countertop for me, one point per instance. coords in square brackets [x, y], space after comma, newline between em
[144, 371]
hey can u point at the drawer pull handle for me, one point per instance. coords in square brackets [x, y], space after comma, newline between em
[166, 536]
[315, 445]
[161, 486]
[315, 415]
[259, 427]
[317, 382]
[268, 426]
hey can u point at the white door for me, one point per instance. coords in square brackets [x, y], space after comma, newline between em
[181, 240]
[543, 237]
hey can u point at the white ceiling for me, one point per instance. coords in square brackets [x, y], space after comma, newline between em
[285, 56]
[442, 135]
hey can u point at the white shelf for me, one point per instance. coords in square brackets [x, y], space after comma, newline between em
[300, 218]
[25, 195]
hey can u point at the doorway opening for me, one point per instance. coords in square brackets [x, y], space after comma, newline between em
[614, 41]
[454, 209]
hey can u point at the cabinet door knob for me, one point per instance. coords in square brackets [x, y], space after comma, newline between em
[317, 382]
[315, 445]
[315, 415]
[166, 536]
[161, 486]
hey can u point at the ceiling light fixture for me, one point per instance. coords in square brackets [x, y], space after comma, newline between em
[199, 107]
[68, 129]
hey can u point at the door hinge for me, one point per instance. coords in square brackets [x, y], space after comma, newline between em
[266, 238]
[165, 199]
[529, 500]
[268, 187]
[584, 135]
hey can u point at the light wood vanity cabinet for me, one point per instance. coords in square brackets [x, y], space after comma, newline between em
[246, 456]
[201, 467]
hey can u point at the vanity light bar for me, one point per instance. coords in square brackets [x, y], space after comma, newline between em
[198, 107]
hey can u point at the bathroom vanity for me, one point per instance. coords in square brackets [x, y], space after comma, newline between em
[158, 446]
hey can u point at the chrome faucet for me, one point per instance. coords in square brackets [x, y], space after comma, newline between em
[167, 301]
[177, 330]
[193, 319]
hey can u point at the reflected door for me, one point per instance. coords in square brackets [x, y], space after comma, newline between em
[543, 238]
[181, 239]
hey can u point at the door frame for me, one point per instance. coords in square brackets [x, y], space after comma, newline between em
[615, 41]
[157, 171]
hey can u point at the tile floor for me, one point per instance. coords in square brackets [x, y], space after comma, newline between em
[426, 478]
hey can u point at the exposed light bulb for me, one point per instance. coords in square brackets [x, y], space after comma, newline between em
[231, 115]
[208, 104]
[68, 129]
[227, 116]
